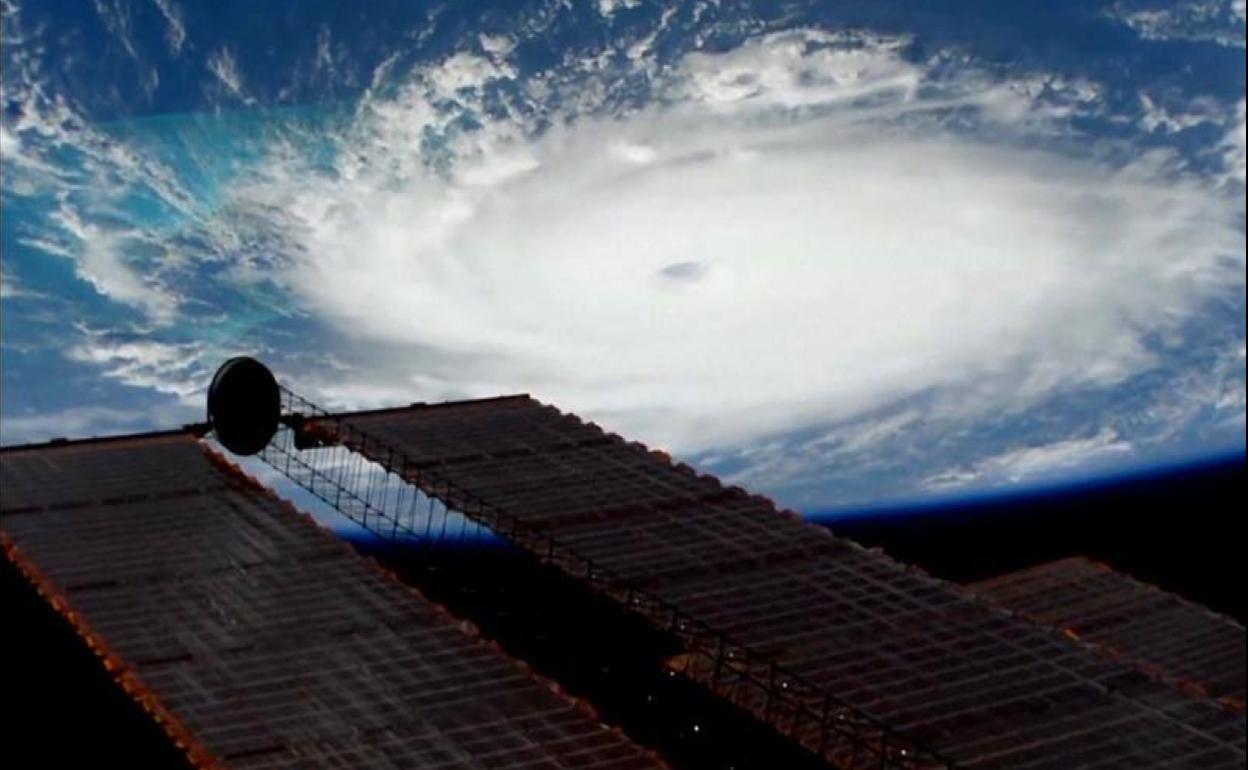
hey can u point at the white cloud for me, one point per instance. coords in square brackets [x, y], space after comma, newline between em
[175, 29]
[11, 287]
[116, 19]
[52, 153]
[1234, 147]
[639, 154]
[497, 45]
[952, 479]
[224, 67]
[775, 463]
[1157, 118]
[465, 70]
[77, 422]
[778, 260]
[1026, 463]
[640, 51]
[98, 253]
[1201, 20]
[800, 68]
[10, 144]
[170, 368]
[609, 7]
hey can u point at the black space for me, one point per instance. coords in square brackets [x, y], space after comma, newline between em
[597, 651]
[59, 707]
[1180, 530]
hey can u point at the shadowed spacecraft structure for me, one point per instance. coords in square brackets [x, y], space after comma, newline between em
[257, 639]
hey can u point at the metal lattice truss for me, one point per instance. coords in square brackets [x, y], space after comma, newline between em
[380, 486]
[862, 660]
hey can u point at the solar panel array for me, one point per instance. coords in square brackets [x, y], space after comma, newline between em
[261, 642]
[1198, 649]
[982, 686]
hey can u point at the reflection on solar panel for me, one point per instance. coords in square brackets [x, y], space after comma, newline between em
[802, 628]
[1198, 649]
[257, 640]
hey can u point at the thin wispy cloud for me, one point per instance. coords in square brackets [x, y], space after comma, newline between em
[170, 369]
[1030, 463]
[81, 422]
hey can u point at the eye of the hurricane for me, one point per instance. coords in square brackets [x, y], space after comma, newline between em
[244, 405]
[683, 272]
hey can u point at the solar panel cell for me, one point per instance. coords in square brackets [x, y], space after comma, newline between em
[264, 642]
[1200, 650]
[801, 609]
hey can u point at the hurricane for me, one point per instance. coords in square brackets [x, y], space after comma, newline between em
[839, 253]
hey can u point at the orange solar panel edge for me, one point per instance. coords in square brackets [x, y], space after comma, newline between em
[130, 682]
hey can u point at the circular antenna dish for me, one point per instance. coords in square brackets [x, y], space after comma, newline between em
[244, 405]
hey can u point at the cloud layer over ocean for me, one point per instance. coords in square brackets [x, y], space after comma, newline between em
[808, 250]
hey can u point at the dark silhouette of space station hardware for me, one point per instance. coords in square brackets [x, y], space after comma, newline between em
[257, 639]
